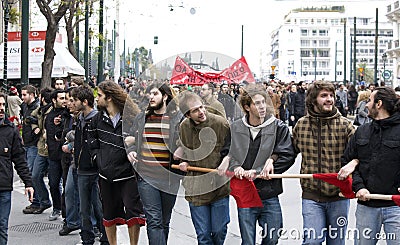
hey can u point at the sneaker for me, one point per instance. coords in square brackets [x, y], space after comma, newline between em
[96, 232]
[66, 230]
[41, 209]
[54, 215]
[30, 209]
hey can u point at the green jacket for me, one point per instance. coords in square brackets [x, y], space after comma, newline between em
[38, 113]
[202, 145]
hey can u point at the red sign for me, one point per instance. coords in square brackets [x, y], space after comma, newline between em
[33, 36]
[236, 73]
[37, 49]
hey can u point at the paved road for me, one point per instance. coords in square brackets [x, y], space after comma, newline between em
[37, 230]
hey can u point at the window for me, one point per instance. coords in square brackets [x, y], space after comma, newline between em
[323, 32]
[314, 32]
[290, 30]
[304, 32]
[324, 64]
[305, 43]
[324, 53]
[305, 53]
[339, 73]
[323, 43]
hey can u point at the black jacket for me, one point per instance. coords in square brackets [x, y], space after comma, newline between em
[300, 103]
[29, 137]
[82, 157]
[107, 144]
[53, 133]
[377, 147]
[11, 151]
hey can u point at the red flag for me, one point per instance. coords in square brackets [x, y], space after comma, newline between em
[184, 74]
[245, 193]
[396, 199]
[345, 186]
[239, 72]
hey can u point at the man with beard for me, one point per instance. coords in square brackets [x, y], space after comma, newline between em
[203, 135]
[321, 137]
[376, 146]
[156, 133]
[88, 177]
[212, 104]
[118, 185]
[12, 154]
[30, 139]
[53, 125]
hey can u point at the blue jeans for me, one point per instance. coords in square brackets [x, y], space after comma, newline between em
[89, 198]
[325, 220]
[39, 168]
[369, 221]
[5, 204]
[31, 153]
[157, 207]
[269, 217]
[211, 221]
[72, 218]
[55, 174]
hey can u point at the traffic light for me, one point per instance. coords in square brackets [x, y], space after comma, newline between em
[271, 76]
[155, 39]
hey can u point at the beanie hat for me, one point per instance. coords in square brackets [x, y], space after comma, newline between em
[13, 90]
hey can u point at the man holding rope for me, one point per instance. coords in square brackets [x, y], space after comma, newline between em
[259, 144]
[321, 137]
[202, 136]
[377, 147]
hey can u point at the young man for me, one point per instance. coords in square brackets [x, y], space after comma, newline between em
[30, 139]
[376, 146]
[260, 144]
[12, 153]
[118, 186]
[53, 125]
[321, 137]
[212, 104]
[88, 176]
[202, 137]
[156, 133]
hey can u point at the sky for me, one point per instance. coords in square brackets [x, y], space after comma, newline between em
[216, 24]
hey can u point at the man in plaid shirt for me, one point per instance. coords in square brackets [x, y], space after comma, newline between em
[321, 137]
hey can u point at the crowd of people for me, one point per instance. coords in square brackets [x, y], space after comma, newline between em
[117, 154]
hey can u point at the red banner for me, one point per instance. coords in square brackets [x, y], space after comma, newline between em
[238, 72]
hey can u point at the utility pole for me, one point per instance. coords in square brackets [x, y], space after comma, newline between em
[345, 51]
[354, 52]
[25, 43]
[117, 64]
[315, 64]
[335, 61]
[241, 53]
[376, 48]
[100, 59]
[86, 52]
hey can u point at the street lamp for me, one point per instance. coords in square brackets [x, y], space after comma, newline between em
[362, 71]
[384, 58]
[6, 7]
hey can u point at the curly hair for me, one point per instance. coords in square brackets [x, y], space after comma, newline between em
[314, 89]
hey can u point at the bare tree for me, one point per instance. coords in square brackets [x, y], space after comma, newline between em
[53, 17]
[73, 12]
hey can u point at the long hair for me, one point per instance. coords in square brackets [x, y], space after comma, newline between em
[120, 98]
[390, 101]
[164, 90]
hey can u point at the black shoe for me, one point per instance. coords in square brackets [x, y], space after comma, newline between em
[30, 209]
[66, 230]
[41, 209]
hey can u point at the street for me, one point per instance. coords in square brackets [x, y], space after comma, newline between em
[36, 229]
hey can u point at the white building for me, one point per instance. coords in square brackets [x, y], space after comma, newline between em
[393, 48]
[307, 44]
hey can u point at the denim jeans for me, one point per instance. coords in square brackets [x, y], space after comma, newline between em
[269, 217]
[369, 221]
[157, 207]
[5, 204]
[325, 220]
[31, 154]
[72, 217]
[89, 202]
[55, 173]
[39, 168]
[211, 221]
